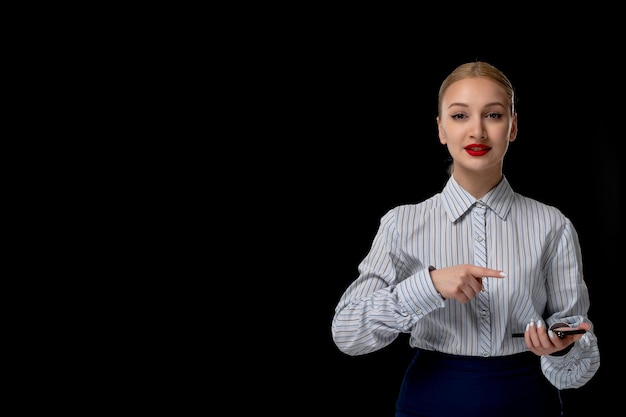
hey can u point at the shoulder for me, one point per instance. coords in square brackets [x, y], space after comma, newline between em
[414, 211]
[539, 210]
[526, 201]
[428, 204]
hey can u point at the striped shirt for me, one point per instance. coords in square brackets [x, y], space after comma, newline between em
[534, 243]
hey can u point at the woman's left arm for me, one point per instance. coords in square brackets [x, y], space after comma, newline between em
[568, 305]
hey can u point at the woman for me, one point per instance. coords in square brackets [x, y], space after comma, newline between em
[481, 277]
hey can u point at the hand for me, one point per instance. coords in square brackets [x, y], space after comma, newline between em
[462, 282]
[540, 343]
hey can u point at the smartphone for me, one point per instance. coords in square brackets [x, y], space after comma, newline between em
[559, 333]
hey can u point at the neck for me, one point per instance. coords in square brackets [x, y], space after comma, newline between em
[477, 184]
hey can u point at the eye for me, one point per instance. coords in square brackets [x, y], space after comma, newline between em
[494, 115]
[458, 116]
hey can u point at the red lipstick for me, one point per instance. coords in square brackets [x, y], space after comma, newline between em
[477, 149]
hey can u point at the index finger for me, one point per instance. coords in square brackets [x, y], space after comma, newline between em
[493, 273]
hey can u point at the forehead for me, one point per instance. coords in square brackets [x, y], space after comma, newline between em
[477, 90]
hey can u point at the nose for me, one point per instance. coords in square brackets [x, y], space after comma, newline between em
[478, 130]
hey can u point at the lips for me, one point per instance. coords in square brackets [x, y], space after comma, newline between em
[477, 149]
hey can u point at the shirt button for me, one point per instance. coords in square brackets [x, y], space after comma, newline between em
[485, 354]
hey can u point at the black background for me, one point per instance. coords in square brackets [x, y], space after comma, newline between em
[350, 132]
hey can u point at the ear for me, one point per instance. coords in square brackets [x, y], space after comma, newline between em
[442, 137]
[513, 134]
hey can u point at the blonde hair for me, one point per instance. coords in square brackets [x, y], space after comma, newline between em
[478, 69]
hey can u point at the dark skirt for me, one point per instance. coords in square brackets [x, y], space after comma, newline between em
[441, 385]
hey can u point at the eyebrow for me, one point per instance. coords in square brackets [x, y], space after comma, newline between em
[495, 103]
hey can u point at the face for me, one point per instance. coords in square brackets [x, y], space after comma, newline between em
[476, 125]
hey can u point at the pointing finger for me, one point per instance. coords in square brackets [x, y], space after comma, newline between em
[492, 273]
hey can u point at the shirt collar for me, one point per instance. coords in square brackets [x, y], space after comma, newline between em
[457, 201]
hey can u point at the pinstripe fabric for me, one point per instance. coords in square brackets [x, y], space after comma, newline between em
[532, 242]
[480, 258]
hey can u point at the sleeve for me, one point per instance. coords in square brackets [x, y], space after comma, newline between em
[384, 300]
[568, 302]
[576, 367]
